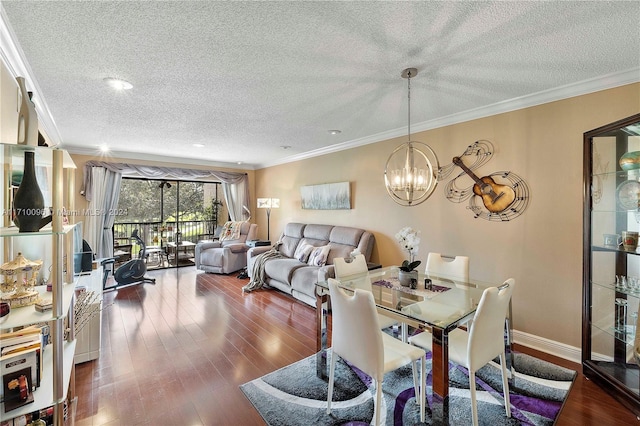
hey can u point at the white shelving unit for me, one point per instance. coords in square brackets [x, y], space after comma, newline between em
[88, 347]
[55, 245]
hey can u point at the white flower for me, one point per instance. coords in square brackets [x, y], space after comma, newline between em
[409, 240]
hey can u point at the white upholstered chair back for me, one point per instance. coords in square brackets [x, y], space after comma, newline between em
[343, 266]
[358, 272]
[486, 337]
[356, 335]
[484, 341]
[456, 267]
[357, 266]
[357, 338]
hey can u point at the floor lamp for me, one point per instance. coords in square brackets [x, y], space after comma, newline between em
[268, 203]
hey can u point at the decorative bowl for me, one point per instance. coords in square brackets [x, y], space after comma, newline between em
[630, 161]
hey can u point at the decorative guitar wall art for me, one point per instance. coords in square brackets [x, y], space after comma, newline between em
[500, 196]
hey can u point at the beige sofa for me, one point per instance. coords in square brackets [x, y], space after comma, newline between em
[298, 278]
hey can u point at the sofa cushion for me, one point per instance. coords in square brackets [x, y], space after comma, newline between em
[303, 251]
[318, 232]
[318, 256]
[282, 269]
[291, 236]
[345, 235]
[339, 250]
[304, 280]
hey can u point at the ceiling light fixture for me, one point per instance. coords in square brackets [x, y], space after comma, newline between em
[285, 146]
[118, 84]
[335, 132]
[198, 145]
[410, 172]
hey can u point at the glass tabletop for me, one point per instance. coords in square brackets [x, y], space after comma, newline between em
[440, 301]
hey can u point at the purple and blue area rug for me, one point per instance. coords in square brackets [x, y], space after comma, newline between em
[294, 395]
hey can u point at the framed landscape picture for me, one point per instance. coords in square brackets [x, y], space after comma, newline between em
[328, 196]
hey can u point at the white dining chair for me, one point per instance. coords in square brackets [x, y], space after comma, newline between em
[358, 266]
[483, 342]
[448, 266]
[357, 338]
[445, 266]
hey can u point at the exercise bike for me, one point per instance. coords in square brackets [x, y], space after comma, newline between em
[130, 272]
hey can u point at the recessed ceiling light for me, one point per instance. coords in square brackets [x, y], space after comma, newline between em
[198, 145]
[118, 84]
[285, 146]
[335, 132]
[238, 162]
[104, 148]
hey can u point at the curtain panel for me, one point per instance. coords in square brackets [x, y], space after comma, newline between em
[99, 223]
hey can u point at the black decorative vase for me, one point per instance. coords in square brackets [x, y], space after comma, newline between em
[28, 203]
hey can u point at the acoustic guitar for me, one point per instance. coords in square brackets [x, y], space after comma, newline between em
[496, 197]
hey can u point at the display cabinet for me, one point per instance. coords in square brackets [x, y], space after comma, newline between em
[611, 259]
[55, 244]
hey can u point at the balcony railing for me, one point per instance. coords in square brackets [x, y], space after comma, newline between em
[157, 234]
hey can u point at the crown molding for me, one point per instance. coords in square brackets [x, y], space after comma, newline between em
[125, 155]
[584, 87]
[14, 58]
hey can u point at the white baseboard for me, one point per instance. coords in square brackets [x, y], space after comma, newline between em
[551, 347]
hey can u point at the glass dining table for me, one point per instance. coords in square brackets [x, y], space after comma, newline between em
[438, 303]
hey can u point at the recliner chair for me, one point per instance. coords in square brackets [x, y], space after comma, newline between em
[227, 256]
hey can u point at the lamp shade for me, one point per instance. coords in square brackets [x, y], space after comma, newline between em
[268, 203]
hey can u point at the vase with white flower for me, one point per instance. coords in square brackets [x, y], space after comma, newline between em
[409, 239]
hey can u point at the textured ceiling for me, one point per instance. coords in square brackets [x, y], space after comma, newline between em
[246, 78]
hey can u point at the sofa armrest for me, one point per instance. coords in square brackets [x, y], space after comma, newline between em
[254, 251]
[251, 254]
[237, 247]
[208, 245]
[325, 272]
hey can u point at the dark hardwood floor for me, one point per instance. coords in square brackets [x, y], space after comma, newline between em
[175, 353]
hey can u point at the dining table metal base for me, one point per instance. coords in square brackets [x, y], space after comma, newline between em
[322, 334]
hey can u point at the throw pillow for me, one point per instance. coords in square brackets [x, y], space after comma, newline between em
[318, 256]
[303, 251]
[230, 231]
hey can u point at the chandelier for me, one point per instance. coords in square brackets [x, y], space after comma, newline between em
[410, 174]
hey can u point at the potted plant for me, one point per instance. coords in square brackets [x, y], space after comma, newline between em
[211, 215]
[409, 240]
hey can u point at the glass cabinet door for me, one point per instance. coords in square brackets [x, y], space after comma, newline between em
[612, 259]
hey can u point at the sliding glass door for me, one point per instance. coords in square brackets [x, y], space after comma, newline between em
[170, 216]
